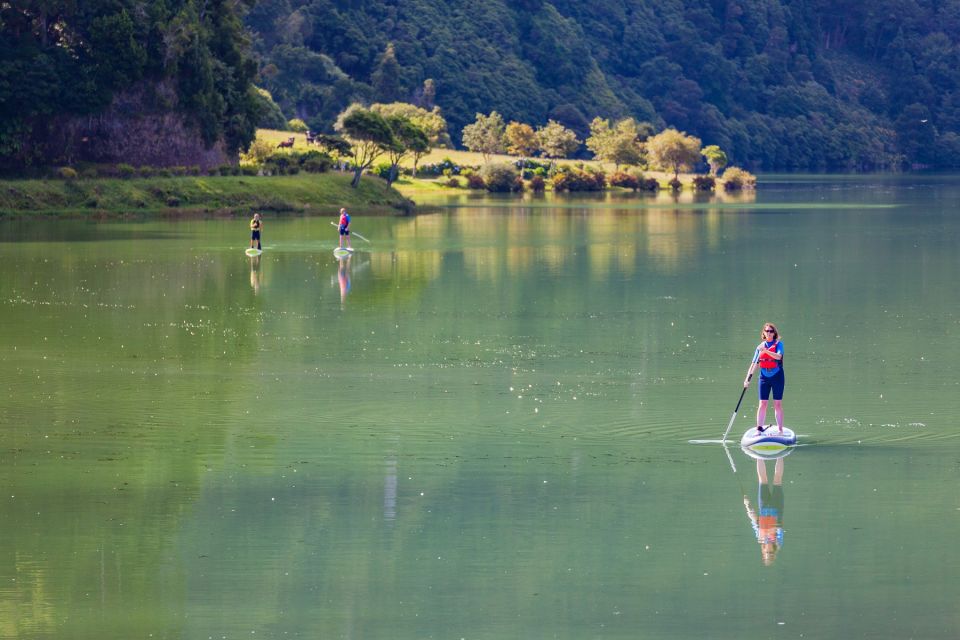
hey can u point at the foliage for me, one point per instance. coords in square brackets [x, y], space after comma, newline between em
[575, 179]
[62, 60]
[624, 179]
[271, 117]
[716, 158]
[485, 135]
[520, 140]
[619, 144]
[500, 177]
[475, 181]
[556, 141]
[370, 135]
[408, 139]
[674, 150]
[333, 144]
[736, 179]
[258, 152]
[538, 184]
[297, 125]
[774, 83]
[704, 183]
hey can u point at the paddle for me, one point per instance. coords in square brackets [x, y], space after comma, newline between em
[734, 416]
[351, 231]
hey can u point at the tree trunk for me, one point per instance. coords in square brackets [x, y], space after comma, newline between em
[356, 177]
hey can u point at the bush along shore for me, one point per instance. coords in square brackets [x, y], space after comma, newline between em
[193, 195]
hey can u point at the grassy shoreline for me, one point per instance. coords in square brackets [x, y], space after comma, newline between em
[197, 196]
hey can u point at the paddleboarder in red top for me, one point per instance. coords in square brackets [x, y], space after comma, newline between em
[344, 226]
[769, 357]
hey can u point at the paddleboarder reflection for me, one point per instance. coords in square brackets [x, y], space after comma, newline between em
[767, 518]
[343, 277]
[255, 273]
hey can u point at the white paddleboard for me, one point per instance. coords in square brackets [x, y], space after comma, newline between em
[769, 439]
[342, 252]
[253, 252]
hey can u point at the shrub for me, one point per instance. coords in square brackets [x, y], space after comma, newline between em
[126, 171]
[173, 201]
[164, 173]
[146, 171]
[475, 181]
[248, 170]
[193, 170]
[281, 161]
[293, 169]
[650, 184]
[67, 173]
[453, 183]
[500, 178]
[576, 179]
[296, 125]
[225, 169]
[89, 173]
[625, 180]
[258, 153]
[704, 183]
[317, 163]
[736, 179]
[538, 184]
[178, 171]
[675, 184]
[518, 185]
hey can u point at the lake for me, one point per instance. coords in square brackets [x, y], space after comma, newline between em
[479, 425]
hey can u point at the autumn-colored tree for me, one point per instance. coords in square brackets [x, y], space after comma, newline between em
[521, 141]
[671, 149]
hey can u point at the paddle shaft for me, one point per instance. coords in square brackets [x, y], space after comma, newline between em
[734, 416]
[351, 231]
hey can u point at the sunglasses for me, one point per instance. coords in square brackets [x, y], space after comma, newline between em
[769, 331]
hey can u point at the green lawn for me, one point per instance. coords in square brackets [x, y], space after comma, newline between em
[303, 192]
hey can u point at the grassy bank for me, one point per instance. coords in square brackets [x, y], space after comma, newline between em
[301, 193]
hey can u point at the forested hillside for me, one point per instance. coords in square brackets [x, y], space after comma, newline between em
[162, 82]
[812, 84]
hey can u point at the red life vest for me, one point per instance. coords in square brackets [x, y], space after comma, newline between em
[768, 362]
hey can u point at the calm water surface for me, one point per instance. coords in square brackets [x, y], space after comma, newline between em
[479, 426]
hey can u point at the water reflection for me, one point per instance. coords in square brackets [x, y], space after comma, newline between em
[255, 273]
[766, 517]
[343, 278]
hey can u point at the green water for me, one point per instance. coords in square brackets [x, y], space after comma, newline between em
[480, 425]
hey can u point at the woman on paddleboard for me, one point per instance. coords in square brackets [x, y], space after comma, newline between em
[769, 357]
[255, 226]
[344, 227]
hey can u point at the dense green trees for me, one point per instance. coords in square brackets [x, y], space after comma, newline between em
[813, 84]
[60, 60]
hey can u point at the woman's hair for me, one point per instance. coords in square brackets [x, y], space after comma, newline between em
[776, 332]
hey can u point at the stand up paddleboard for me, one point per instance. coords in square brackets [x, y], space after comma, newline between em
[341, 252]
[253, 252]
[770, 439]
[759, 453]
